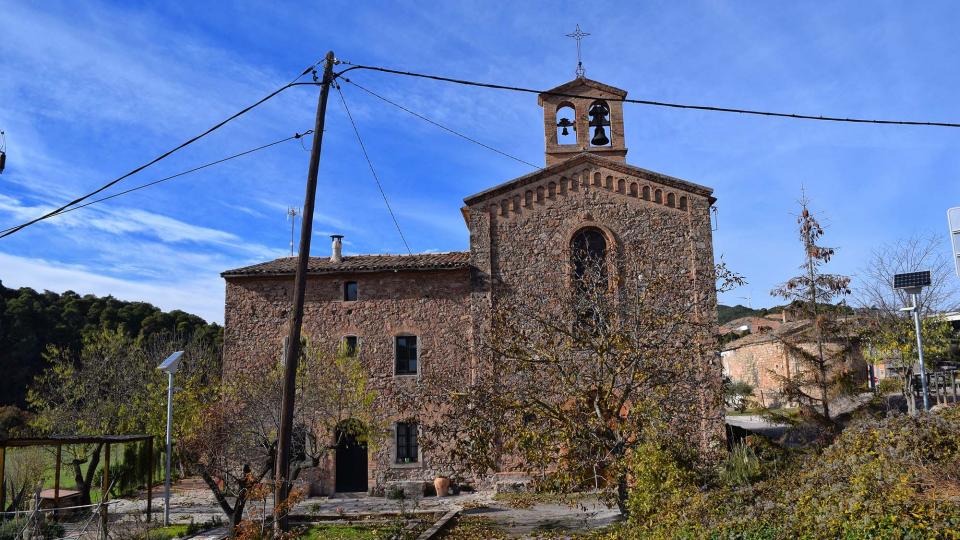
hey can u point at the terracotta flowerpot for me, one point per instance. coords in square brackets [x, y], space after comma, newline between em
[442, 485]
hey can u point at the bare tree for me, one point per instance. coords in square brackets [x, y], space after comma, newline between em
[233, 445]
[874, 284]
[571, 385]
[891, 338]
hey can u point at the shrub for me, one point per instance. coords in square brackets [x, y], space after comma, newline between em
[892, 477]
[889, 385]
[10, 530]
[662, 485]
[737, 394]
[741, 467]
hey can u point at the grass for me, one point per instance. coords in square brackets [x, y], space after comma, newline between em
[166, 533]
[48, 457]
[340, 532]
[364, 531]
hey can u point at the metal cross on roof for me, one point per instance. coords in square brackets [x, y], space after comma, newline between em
[578, 35]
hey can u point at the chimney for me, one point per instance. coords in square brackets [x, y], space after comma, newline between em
[336, 254]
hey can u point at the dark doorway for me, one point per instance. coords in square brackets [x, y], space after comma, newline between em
[351, 463]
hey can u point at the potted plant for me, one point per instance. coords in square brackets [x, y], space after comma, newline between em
[442, 484]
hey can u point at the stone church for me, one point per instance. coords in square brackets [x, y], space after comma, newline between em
[408, 316]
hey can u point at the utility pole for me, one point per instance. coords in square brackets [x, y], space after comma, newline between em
[283, 484]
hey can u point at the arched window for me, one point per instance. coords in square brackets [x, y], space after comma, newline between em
[588, 253]
[566, 124]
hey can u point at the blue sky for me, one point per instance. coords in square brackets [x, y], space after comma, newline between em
[90, 90]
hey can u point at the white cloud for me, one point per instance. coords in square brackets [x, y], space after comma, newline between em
[201, 296]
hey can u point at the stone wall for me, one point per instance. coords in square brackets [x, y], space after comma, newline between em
[433, 305]
[520, 241]
[760, 365]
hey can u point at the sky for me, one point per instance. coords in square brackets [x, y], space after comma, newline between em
[91, 90]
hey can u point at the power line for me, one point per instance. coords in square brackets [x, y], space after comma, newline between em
[166, 154]
[654, 103]
[372, 170]
[441, 126]
[182, 173]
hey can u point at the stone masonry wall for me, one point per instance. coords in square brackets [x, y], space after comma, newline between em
[433, 305]
[760, 365]
[520, 241]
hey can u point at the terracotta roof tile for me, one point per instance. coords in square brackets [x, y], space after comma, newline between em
[451, 260]
[770, 335]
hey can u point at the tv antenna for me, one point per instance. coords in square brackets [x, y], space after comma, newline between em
[292, 213]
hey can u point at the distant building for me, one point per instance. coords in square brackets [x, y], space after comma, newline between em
[762, 360]
[753, 324]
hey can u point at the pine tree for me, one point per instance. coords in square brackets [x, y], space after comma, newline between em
[817, 369]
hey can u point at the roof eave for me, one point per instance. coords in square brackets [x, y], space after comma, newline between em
[229, 274]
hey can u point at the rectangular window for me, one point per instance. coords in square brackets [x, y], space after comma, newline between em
[349, 345]
[350, 291]
[407, 442]
[406, 353]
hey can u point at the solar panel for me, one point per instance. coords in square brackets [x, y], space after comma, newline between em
[911, 280]
[953, 218]
[171, 363]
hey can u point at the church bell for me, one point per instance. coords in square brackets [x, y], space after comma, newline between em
[565, 123]
[600, 137]
[598, 119]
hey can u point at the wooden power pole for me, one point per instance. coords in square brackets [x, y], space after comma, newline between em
[283, 484]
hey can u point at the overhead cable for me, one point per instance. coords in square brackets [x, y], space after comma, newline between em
[710, 108]
[363, 148]
[441, 126]
[179, 174]
[154, 160]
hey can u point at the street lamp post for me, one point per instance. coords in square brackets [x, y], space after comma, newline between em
[912, 283]
[169, 366]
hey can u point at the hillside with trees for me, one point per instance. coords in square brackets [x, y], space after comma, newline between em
[32, 321]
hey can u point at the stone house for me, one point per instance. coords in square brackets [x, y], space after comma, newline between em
[762, 359]
[411, 316]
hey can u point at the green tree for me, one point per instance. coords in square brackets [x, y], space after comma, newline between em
[112, 387]
[32, 321]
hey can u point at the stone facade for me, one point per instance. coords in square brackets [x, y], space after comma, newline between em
[520, 234]
[430, 304]
[762, 359]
